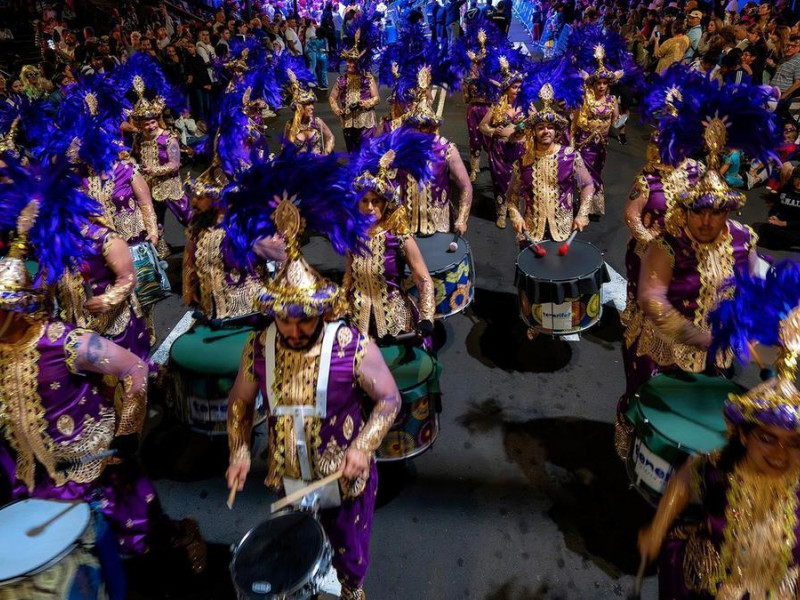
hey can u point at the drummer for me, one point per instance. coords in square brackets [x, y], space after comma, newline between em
[306, 345]
[428, 203]
[545, 180]
[746, 541]
[377, 303]
[56, 368]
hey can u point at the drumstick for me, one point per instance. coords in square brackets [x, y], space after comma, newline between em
[295, 496]
[637, 584]
[537, 249]
[232, 493]
[565, 246]
[64, 465]
[453, 246]
[34, 531]
[756, 357]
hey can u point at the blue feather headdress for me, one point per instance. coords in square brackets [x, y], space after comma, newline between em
[599, 53]
[362, 41]
[505, 69]
[55, 236]
[765, 311]
[97, 94]
[155, 92]
[467, 53]
[384, 161]
[286, 196]
[24, 126]
[567, 85]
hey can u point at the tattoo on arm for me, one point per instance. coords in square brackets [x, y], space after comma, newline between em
[95, 350]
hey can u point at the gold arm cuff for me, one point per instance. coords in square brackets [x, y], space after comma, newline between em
[464, 207]
[639, 232]
[133, 411]
[240, 427]
[150, 220]
[374, 431]
[670, 322]
[117, 294]
[427, 302]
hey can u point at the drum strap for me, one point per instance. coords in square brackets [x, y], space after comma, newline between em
[300, 413]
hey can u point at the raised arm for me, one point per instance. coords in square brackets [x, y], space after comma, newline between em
[118, 258]
[141, 192]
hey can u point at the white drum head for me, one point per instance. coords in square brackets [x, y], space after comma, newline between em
[22, 553]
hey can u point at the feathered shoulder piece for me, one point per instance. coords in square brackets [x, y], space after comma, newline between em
[56, 237]
[313, 185]
[377, 165]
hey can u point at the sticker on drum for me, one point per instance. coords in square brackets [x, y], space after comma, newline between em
[649, 468]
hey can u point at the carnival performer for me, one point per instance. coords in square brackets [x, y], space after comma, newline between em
[504, 126]
[687, 270]
[306, 131]
[378, 305]
[355, 95]
[546, 180]
[745, 542]
[591, 125]
[428, 203]
[159, 156]
[55, 415]
[305, 346]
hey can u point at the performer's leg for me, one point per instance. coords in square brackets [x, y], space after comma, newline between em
[502, 210]
[181, 209]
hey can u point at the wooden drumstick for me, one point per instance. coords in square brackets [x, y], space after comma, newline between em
[637, 584]
[756, 357]
[232, 493]
[297, 495]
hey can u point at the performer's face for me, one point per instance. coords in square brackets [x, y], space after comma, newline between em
[351, 66]
[513, 91]
[299, 334]
[706, 225]
[772, 451]
[372, 204]
[200, 202]
[150, 127]
[308, 111]
[545, 134]
[601, 87]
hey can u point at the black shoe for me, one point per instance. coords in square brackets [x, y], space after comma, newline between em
[623, 139]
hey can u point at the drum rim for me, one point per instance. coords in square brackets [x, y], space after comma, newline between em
[315, 569]
[452, 264]
[637, 397]
[61, 554]
[577, 278]
[471, 279]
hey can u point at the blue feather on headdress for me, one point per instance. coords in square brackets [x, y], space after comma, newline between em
[57, 241]
[156, 84]
[367, 23]
[559, 73]
[584, 39]
[317, 186]
[496, 73]
[32, 121]
[751, 126]
[83, 139]
[111, 104]
[754, 313]
[460, 62]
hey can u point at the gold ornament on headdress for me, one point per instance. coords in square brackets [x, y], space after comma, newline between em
[290, 224]
[144, 108]
[602, 72]
[8, 141]
[16, 288]
[548, 113]
[91, 103]
[354, 53]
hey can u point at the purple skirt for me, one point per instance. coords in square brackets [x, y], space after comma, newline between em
[477, 141]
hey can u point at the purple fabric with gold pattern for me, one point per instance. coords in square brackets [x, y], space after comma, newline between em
[77, 421]
[349, 526]
[502, 156]
[566, 180]
[124, 201]
[477, 141]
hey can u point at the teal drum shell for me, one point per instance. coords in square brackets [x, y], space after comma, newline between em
[204, 363]
[416, 427]
[675, 415]
[453, 273]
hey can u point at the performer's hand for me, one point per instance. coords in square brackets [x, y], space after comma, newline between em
[237, 472]
[518, 227]
[271, 248]
[95, 305]
[126, 445]
[356, 463]
[460, 228]
[153, 239]
[649, 544]
[505, 132]
[425, 328]
[580, 223]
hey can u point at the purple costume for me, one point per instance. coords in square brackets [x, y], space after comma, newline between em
[699, 274]
[67, 419]
[348, 526]
[360, 123]
[590, 138]
[477, 108]
[503, 154]
[123, 323]
[164, 181]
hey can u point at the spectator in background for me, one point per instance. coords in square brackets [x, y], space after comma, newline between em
[188, 131]
[198, 81]
[787, 75]
[291, 38]
[453, 18]
[729, 70]
[68, 49]
[173, 66]
[782, 229]
[499, 17]
[704, 44]
[95, 65]
[753, 64]
[317, 56]
[206, 51]
[673, 50]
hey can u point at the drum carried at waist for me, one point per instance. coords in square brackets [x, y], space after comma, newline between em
[47, 551]
[416, 426]
[561, 295]
[674, 415]
[152, 283]
[284, 558]
[453, 273]
[205, 362]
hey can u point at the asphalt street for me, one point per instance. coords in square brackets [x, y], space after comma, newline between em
[522, 497]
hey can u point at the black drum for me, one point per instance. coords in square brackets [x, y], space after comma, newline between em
[284, 558]
[560, 295]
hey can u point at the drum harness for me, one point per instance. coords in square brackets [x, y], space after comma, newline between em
[300, 413]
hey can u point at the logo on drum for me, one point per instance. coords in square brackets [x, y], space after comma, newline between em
[650, 469]
[261, 587]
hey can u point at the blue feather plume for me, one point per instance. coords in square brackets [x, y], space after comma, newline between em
[318, 187]
[413, 153]
[461, 64]
[754, 313]
[583, 40]
[111, 104]
[368, 23]
[559, 73]
[57, 241]
[156, 83]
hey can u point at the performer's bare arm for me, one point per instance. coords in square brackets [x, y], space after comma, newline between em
[327, 135]
[586, 187]
[460, 179]
[654, 282]
[672, 504]
[422, 279]
[377, 382]
[485, 126]
[637, 199]
[95, 354]
[333, 100]
[241, 412]
[141, 191]
[374, 98]
[515, 208]
[118, 258]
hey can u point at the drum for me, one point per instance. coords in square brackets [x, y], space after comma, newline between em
[674, 415]
[152, 284]
[284, 558]
[416, 373]
[453, 273]
[204, 363]
[46, 551]
[560, 295]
